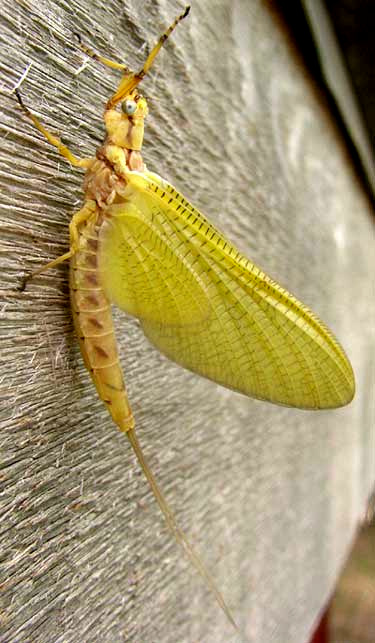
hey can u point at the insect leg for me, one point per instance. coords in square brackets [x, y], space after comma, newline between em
[47, 266]
[63, 150]
[78, 218]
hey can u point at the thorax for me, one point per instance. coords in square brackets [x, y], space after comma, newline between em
[105, 180]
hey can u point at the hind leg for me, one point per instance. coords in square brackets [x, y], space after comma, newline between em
[78, 219]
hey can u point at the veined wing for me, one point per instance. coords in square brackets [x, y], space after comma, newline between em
[146, 270]
[210, 309]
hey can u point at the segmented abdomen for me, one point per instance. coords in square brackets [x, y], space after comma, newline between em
[94, 326]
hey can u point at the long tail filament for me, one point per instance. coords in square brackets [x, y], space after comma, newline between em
[174, 528]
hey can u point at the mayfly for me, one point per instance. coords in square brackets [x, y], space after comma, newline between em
[138, 243]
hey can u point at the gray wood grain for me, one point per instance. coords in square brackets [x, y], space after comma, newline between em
[270, 496]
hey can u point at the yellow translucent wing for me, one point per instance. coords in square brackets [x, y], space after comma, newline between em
[146, 270]
[210, 309]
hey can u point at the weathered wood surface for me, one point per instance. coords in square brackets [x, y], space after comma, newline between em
[270, 496]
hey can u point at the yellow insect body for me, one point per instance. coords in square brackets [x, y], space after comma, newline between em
[94, 326]
[139, 243]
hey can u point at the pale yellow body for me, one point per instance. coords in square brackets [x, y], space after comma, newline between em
[94, 326]
[139, 243]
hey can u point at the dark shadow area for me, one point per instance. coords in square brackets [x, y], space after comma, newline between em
[351, 24]
[352, 613]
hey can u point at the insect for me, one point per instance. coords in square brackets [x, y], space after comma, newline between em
[138, 243]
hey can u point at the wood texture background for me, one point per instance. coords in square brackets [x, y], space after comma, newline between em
[270, 496]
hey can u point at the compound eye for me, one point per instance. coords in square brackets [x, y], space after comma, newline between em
[128, 107]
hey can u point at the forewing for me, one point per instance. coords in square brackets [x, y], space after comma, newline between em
[252, 335]
[144, 271]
